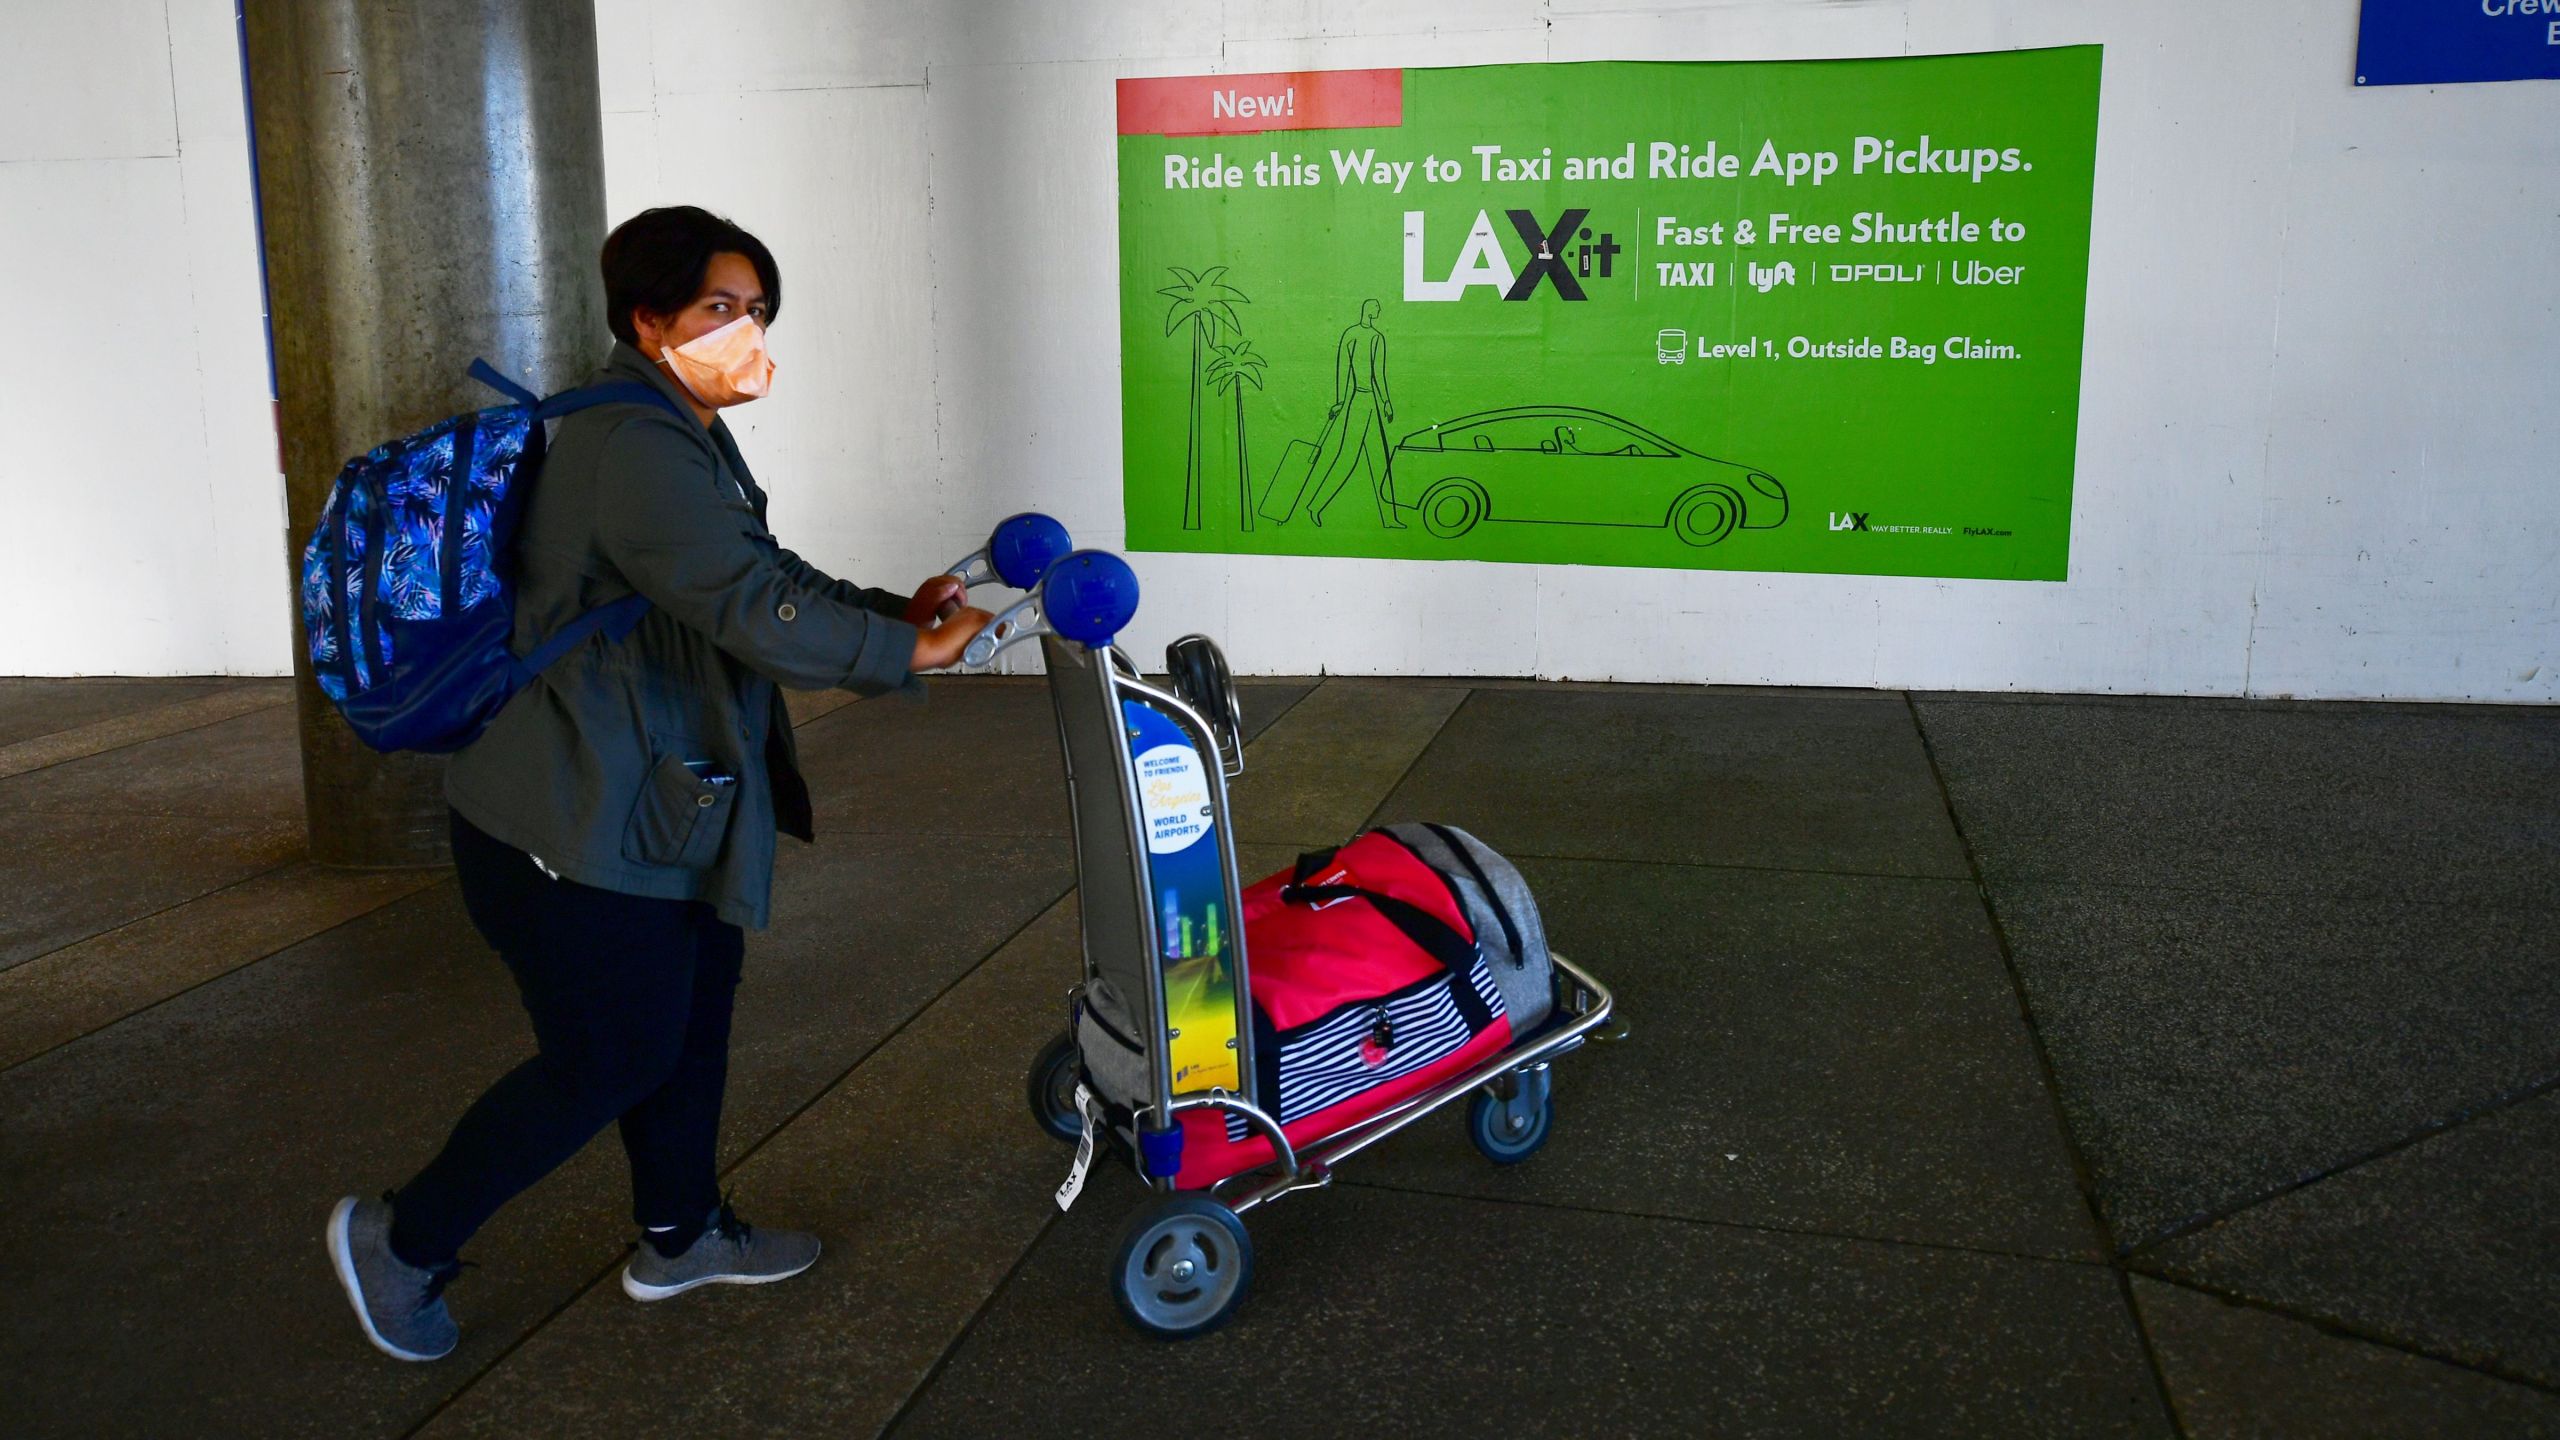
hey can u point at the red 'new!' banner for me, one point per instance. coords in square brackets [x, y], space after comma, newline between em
[1249, 104]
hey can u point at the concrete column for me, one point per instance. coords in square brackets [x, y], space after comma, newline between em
[431, 180]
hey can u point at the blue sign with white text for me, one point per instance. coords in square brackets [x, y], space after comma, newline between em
[2450, 42]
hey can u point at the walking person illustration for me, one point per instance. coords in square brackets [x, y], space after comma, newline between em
[1355, 430]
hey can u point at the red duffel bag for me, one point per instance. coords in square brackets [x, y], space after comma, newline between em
[1368, 989]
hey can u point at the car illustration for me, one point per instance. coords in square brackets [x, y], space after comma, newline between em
[1565, 465]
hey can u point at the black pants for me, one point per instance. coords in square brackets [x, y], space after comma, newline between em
[630, 1001]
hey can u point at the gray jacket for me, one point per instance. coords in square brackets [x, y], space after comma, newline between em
[663, 764]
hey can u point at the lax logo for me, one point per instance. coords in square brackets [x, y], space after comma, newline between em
[1854, 520]
[1563, 255]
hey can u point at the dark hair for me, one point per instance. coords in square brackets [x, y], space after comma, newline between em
[655, 261]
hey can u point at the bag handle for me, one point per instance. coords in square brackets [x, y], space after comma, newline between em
[1311, 861]
[1437, 938]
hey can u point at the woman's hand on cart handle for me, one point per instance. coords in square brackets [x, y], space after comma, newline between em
[938, 647]
[937, 599]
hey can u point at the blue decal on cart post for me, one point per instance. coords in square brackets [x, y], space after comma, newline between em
[1195, 923]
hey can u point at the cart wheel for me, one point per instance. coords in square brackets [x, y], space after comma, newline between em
[1182, 1265]
[1510, 1131]
[1052, 1087]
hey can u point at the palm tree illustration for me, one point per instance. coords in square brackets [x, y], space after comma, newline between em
[1231, 369]
[1203, 303]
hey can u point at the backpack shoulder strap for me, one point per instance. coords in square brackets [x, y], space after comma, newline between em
[611, 392]
[615, 620]
[487, 374]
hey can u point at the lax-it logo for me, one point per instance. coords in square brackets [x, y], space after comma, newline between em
[1562, 255]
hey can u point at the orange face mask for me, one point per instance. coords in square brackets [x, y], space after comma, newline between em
[726, 367]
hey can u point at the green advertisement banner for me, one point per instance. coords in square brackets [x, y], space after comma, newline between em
[1816, 316]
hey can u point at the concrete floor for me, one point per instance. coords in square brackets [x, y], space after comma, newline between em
[2002, 1066]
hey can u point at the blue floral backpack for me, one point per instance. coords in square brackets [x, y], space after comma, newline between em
[408, 595]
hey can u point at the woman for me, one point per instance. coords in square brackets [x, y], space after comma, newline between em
[613, 831]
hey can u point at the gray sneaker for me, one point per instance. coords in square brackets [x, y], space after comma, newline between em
[729, 1252]
[400, 1306]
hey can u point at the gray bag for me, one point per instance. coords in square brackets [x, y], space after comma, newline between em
[1106, 1034]
[1499, 909]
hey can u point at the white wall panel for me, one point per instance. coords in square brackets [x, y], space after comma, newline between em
[1362, 52]
[2412, 534]
[86, 81]
[101, 399]
[1256, 20]
[1025, 292]
[834, 179]
[784, 44]
[143, 460]
[1724, 30]
[1030, 32]
[626, 56]
[244, 523]
[630, 161]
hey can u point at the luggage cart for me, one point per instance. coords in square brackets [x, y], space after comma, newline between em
[1184, 1260]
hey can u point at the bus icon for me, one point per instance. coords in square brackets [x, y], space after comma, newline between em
[1671, 347]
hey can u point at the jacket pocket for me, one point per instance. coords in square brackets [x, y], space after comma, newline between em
[680, 817]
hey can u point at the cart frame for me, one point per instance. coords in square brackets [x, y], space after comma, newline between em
[1087, 686]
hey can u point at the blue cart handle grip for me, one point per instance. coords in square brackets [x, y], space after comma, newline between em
[1018, 552]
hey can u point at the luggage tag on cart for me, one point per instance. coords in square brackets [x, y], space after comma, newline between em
[1068, 1192]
